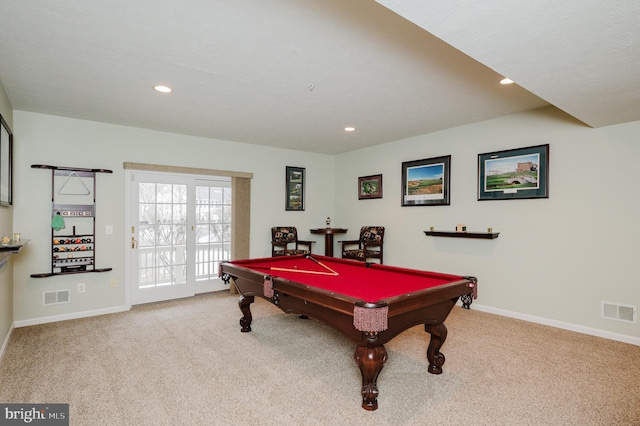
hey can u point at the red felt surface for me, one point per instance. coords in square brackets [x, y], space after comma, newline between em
[353, 279]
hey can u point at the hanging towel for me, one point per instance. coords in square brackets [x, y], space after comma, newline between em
[57, 222]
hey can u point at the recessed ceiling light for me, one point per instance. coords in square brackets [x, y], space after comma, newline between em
[506, 81]
[349, 129]
[162, 89]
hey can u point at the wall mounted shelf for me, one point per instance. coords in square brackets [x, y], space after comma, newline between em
[6, 250]
[454, 234]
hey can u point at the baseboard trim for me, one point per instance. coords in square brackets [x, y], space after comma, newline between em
[5, 343]
[75, 315]
[559, 324]
[502, 312]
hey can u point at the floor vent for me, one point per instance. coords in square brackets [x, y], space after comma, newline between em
[616, 311]
[56, 297]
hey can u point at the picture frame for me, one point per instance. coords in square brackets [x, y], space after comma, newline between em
[519, 173]
[426, 182]
[369, 187]
[6, 163]
[295, 177]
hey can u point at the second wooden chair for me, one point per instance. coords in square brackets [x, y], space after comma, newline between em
[369, 245]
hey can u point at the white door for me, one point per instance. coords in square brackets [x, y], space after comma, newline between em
[179, 232]
[159, 235]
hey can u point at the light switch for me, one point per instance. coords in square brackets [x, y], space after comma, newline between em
[108, 229]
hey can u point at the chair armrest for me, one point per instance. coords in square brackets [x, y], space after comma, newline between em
[349, 243]
[305, 243]
[371, 244]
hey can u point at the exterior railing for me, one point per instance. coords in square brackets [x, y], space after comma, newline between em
[163, 265]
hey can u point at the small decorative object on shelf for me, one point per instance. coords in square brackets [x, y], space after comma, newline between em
[461, 227]
[328, 222]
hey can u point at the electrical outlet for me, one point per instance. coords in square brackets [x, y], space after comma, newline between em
[114, 283]
[82, 287]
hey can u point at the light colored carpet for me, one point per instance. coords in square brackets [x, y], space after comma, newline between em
[185, 362]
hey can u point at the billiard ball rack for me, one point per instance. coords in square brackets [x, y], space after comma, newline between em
[72, 253]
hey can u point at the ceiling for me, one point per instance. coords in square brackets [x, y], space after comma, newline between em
[293, 74]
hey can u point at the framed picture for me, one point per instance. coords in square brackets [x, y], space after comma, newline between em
[426, 182]
[6, 163]
[514, 174]
[294, 189]
[369, 187]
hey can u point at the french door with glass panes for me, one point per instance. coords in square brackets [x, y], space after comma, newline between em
[180, 232]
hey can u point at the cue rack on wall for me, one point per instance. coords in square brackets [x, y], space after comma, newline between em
[73, 220]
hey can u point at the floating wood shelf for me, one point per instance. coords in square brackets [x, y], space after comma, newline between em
[13, 247]
[454, 234]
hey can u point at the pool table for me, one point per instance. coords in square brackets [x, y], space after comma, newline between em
[369, 303]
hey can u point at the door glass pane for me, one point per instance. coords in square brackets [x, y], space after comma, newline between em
[180, 235]
[147, 236]
[147, 192]
[164, 192]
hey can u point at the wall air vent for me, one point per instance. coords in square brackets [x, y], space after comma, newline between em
[56, 297]
[616, 311]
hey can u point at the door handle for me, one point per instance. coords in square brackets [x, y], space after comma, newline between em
[134, 243]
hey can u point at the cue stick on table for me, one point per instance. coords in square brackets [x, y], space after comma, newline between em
[303, 271]
[323, 265]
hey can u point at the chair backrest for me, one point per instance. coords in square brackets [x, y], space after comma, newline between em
[372, 234]
[284, 234]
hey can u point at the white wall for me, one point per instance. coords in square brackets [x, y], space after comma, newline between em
[6, 270]
[44, 139]
[556, 259]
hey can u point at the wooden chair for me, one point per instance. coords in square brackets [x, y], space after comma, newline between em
[285, 242]
[369, 245]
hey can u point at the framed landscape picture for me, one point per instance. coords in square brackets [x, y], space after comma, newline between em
[426, 182]
[369, 187]
[294, 189]
[514, 174]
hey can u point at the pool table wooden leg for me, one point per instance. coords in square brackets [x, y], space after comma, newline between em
[370, 361]
[245, 306]
[436, 358]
